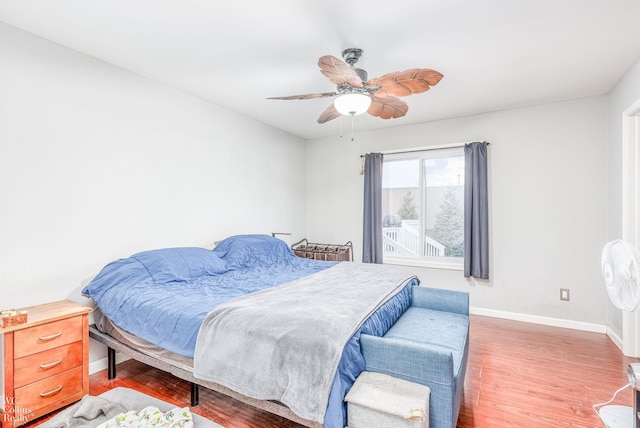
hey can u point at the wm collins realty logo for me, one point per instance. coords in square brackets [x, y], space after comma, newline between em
[20, 415]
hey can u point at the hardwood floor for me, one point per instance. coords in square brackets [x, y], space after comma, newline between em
[539, 376]
[519, 374]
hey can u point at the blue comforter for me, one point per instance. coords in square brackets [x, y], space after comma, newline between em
[163, 296]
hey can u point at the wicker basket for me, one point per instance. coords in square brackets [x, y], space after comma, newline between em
[326, 252]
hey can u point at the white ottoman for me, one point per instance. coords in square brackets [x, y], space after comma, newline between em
[378, 400]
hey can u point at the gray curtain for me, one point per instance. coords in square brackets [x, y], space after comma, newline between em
[476, 211]
[372, 231]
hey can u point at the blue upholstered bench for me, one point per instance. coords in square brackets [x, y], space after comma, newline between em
[429, 345]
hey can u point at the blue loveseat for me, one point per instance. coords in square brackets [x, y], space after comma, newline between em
[429, 345]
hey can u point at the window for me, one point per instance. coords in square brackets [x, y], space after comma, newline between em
[422, 204]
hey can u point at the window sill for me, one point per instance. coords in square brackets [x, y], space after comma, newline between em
[431, 264]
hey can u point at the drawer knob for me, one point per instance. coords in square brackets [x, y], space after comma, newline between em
[50, 393]
[50, 337]
[49, 365]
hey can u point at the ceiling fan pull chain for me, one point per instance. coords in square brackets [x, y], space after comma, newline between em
[341, 126]
[352, 120]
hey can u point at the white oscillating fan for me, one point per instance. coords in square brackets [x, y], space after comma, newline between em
[620, 271]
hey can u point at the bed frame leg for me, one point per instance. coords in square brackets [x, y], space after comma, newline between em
[195, 394]
[111, 363]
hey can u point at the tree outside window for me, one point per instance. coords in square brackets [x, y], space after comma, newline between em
[408, 209]
[448, 228]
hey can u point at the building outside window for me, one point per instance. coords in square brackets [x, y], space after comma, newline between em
[422, 204]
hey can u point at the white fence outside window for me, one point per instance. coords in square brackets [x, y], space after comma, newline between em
[405, 240]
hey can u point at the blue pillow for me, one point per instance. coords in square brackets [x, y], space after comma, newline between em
[180, 264]
[253, 250]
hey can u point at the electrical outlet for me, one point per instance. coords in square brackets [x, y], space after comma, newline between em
[564, 294]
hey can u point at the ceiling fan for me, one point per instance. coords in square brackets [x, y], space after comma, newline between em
[356, 93]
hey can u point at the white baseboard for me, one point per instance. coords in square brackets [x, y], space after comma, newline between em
[614, 338]
[536, 319]
[102, 364]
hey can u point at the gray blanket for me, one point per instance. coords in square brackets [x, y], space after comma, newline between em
[284, 343]
[89, 412]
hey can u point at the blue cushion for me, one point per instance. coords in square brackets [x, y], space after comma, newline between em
[180, 264]
[445, 331]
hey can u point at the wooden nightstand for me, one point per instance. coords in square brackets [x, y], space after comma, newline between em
[45, 361]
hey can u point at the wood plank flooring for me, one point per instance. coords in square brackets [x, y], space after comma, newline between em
[528, 375]
[519, 374]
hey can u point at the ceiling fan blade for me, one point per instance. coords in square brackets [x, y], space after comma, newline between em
[329, 114]
[388, 107]
[306, 96]
[338, 72]
[408, 82]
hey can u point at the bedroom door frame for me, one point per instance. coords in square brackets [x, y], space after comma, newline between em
[631, 213]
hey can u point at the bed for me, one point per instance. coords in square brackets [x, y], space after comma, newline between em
[250, 319]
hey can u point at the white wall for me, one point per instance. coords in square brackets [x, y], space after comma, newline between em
[626, 92]
[97, 163]
[548, 180]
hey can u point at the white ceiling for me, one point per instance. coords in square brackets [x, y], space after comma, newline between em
[494, 54]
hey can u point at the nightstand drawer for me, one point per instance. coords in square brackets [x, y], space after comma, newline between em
[50, 390]
[47, 363]
[47, 336]
[44, 362]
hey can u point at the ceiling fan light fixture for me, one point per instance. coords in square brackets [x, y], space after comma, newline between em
[352, 104]
[355, 93]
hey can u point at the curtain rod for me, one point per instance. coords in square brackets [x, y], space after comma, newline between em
[424, 149]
